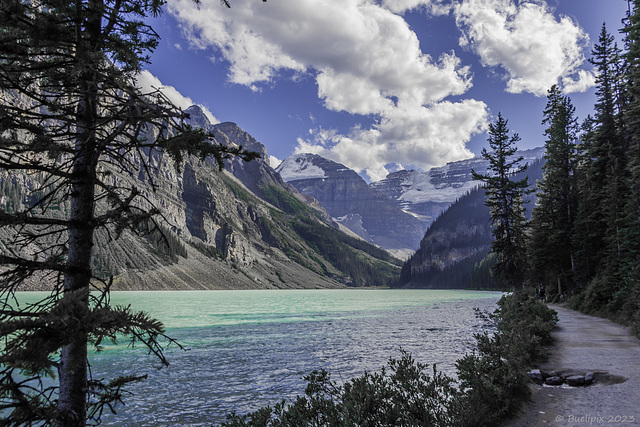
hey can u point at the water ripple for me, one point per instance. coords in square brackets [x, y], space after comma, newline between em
[260, 358]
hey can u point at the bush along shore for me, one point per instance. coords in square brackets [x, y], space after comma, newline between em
[492, 383]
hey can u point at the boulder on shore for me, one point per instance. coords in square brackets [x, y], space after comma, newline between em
[536, 376]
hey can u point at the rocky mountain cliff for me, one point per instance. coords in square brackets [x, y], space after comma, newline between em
[350, 201]
[427, 194]
[241, 228]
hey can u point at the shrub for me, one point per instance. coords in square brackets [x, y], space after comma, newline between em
[494, 378]
[402, 394]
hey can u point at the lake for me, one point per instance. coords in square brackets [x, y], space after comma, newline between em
[247, 349]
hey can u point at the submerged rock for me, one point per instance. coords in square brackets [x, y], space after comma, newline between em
[554, 381]
[576, 380]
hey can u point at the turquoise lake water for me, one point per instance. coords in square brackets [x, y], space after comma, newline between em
[247, 349]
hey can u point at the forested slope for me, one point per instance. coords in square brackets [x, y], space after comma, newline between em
[454, 250]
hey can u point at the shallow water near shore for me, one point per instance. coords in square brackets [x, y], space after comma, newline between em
[248, 349]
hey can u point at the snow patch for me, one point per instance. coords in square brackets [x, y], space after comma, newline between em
[419, 187]
[299, 167]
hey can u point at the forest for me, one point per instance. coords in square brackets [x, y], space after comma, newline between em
[583, 237]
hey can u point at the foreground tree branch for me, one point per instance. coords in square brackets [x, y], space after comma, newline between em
[71, 116]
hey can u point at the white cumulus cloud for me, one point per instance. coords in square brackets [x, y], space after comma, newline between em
[147, 82]
[535, 49]
[436, 7]
[366, 61]
[419, 137]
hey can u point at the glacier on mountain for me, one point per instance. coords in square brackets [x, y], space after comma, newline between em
[378, 211]
[442, 184]
[298, 167]
[348, 198]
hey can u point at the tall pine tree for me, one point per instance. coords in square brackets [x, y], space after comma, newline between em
[551, 251]
[505, 202]
[631, 133]
[604, 192]
[601, 161]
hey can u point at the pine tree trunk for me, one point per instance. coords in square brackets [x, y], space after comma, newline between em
[73, 359]
[72, 398]
[73, 383]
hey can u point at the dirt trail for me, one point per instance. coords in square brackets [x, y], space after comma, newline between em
[586, 343]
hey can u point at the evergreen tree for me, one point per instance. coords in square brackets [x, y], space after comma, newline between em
[552, 221]
[70, 116]
[604, 192]
[631, 222]
[602, 161]
[505, 202]
[586, 240]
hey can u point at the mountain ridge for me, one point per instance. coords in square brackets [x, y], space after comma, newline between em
[457, 243]
[352, 202]
[419, 197]
[427, 194]
[242, 228]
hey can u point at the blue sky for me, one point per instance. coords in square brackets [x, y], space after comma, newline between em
[379, 85]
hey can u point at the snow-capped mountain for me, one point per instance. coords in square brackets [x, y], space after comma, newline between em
[351, 202]
[300, 166]
[426, 194]
[391, 212]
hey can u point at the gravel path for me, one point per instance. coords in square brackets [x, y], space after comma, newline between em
[586, 343]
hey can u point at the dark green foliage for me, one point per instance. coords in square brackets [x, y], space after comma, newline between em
[460, 239]
[481, 277]
[630, 217]
[472, 272]
[551, 251]
[586, 228]
[402, 394]
[494, 378]
[605, 189]
[493, 382]
[285, 201]
[463, 227]
[496, 385]
[505, 198]
[527, 322]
